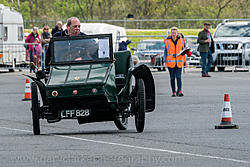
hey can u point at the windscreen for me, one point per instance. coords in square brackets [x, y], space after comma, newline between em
[191, 42]
[233, 31]
[151, 45]
[87, 49]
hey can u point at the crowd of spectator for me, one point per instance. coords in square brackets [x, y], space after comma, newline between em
[37, 45]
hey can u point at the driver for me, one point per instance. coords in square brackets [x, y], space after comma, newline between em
[72, 29]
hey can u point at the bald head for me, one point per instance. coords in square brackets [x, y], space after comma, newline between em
[73, 26]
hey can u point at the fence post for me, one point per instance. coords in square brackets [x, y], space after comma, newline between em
[124, 22]
[140, 24]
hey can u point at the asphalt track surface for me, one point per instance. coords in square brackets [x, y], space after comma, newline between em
[180, 132]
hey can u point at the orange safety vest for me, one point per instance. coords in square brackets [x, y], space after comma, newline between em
[185, 56]
[172, 56]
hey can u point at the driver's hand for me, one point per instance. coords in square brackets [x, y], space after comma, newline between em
[208, 40]
[79, 58]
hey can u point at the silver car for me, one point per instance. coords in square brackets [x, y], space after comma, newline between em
[150, 52]
[232, 44]
[194, 59]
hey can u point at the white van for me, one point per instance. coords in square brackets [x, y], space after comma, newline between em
[118, 33]
[12, 51]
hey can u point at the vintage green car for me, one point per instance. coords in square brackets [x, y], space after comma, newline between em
[90, 83]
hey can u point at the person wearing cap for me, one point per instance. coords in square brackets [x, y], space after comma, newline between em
[29, 41]
[174, 59]
[206, 48]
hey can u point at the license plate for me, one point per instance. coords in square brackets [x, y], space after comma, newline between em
[75, 113]
[230, 58]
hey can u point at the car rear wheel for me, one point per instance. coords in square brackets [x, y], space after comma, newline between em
[35, 109]
[121, 123]
[140, 106]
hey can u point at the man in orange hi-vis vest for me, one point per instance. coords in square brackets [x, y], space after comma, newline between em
[174, 44]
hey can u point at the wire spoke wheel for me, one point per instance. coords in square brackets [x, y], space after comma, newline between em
[140, 106]
[35, 109]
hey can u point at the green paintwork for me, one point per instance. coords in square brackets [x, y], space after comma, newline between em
[83, 78]
[108, 78]
[123, 66]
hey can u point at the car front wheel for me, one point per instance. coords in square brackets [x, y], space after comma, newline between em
[35, 109]
[140, 106]
[121, 123]
[221, 69]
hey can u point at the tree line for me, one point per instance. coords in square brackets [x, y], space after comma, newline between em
[52, 10]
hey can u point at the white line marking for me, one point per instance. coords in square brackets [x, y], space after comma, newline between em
[138, 147]
[15, 129]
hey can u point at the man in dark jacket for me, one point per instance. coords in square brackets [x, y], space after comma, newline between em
[206, 48]
[73, 29]
[57, 28]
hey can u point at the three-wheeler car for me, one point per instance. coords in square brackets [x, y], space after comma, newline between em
[90, 83]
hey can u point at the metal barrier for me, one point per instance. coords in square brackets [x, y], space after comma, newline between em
[15, 56]
[149, 50]
[231, 54]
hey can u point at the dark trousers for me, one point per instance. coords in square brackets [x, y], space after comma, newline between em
[31, 56]
[175, 73]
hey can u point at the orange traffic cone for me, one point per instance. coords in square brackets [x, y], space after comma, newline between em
[27, 92]
[226, 116]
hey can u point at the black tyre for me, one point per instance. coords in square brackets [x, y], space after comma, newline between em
[121, 123]
[35, 109]
[11, 70]
[212, 69]
[221, 69]
[140, 106]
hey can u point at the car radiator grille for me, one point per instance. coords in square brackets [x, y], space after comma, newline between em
[230, 46]
[229, 59]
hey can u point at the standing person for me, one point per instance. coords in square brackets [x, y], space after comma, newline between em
[36, 52]
[72, 29]
[45, 38]
[206, 48]
[174, 44]
[57, 28]
[31, 39]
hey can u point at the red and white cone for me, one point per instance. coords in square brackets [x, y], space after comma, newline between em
[226, 115]
[27, 92]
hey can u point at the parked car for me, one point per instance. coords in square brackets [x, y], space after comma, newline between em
[232, 44]
[88, 83]
[191, 42]
[150, 52]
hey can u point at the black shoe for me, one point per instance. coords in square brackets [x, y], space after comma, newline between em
[180, 94]
[205, 75]
[174, 94]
